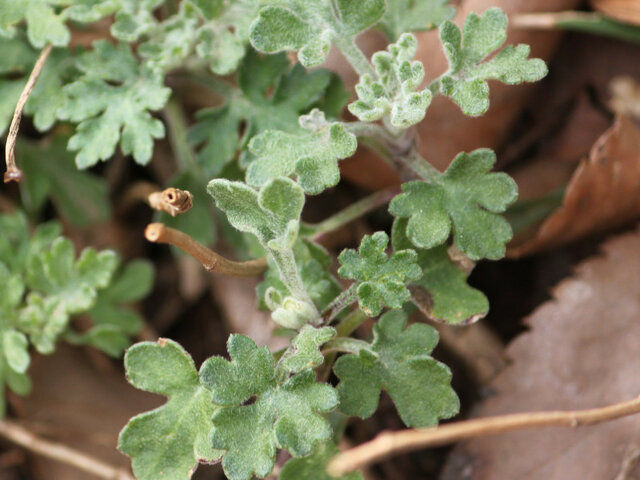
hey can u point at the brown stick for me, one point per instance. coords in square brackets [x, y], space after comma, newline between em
[23, 437]
[388, 444]
[171, 200]
[13, 173]
[160, 233]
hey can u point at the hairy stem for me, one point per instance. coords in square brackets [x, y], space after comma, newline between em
[13, 173]
[23, 437]
[177, 124]
[388, 444]
[350, 323]
[420, 166]
[342, 301]
[210, 260]
[354, 55]
[353, 211]
[345, 344]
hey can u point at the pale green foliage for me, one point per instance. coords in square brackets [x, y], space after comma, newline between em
[44, 285]
[393, 92]
[380, 279]
[466, 80]
[311, 27]
[466, 199]
[111, 114]
[398, 362]
[50, 173]
[312, 157]
[168, 442]
[305, 353]
[44, 24]
[272, 215]
[451, 299]
[271, 95]
[285, 413]
[313, 467]
[414, 16]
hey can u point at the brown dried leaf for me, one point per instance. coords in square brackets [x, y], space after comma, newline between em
[602, 194]
[627, 11]
[581, 352]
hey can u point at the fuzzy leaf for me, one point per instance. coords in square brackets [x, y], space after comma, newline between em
[44, 24]
[466, 199]
[466, 80]
[168, 442]
[283, 415]
[310, 27]
[81, 197]
[306, 353]
[414, 16]
[272, 215]
[110, 114]
[313, 467]
[394, 91]
[271, 95]
[398, 362]
[380, 279]
[312, 157]
[452, 300]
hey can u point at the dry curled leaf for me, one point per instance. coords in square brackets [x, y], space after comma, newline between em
[627, 11]
[625, 96]
[580, 353]
[602, 194]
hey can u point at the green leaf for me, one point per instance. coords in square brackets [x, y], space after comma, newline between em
[380, 279]
[61, 287]
[306, 349]
[313, 467]
[110, 114]
[393, 92]
[45, 25]
[466, 80]
[270, 95]
[414, 16]
[272, 215]
[398, 362]
[49, 172]
[168, 442]
[281, 415]
[312, 157]
[311, 27]
[466, 199]
[450, 298]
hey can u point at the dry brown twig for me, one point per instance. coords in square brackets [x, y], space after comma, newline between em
[172, 201]
[23, 437]
[388, 444]
[210, 260]
[13, 173]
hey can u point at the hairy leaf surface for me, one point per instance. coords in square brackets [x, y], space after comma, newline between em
[414, 16]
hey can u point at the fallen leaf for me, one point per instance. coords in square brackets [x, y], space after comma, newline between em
[627, 11]
[602, 194]
[579, 353]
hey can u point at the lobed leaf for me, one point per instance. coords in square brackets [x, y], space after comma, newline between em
[466, 199]
[45, 25]
[282, 414]
[311, 27]
[393, 92]
[398, 362]
[380, 279]
[313, 467]
[312, 157]
[168, 442]
[306, 349]
[451, 299]
[109, 114]
[466, 80]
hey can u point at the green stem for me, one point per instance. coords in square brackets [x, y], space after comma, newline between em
[342, 301]
[420, 166]
[290, 275]
[371, 130]
[352, 212]
[350, 323]
[354, 55]
[347, 345]
[178, 138]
